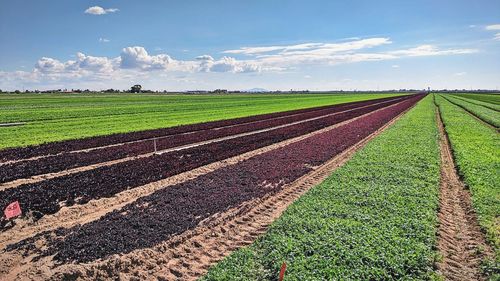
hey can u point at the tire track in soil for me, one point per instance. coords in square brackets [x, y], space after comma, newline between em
[460, 240]
[94, 209]
[189, 256]
[42, 177]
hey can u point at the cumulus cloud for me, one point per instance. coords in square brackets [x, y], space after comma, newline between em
[97, 10]
[135, 61]
[83, 66]
[138, 57]
[104, 40]
[49, 65]
[229, 64]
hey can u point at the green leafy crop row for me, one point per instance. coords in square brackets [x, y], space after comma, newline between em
[372, 219]
[55, 117]
[476, 149]
[489, 98]
[488, 115]
[479, 102]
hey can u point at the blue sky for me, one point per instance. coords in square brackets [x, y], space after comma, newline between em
[271, 44]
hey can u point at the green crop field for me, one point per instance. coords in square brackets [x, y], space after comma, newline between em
[487, 114]
[372, 219]
[477, 154]
[489, 98]
[490, 105]
[56, 117]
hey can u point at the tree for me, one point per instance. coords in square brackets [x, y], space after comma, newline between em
[136, 88]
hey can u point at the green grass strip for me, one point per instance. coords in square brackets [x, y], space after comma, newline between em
[372, 219]
[488, 115]
[476, 149]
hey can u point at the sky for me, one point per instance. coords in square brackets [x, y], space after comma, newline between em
[178, 45]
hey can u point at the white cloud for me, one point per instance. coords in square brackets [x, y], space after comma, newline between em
[138, 57]
[97, 10]
[135, 63]
[229, 64]
[460, 74]
[430, 50]
[90, 63]
[313, 48]
[226, 64]
[49, 65]
[254, 50]
[493, 27]
[104, 40]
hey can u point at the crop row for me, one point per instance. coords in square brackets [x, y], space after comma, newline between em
[60, 162]
[488, 115]
[173, 210]
[373, 219]
[489, 98]
[47, 196]
[97, 112]
[79, 144]
[475, 149]
[478, 102]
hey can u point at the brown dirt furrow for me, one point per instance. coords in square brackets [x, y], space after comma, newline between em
[461, 242]
[93, 210]
[189, 256]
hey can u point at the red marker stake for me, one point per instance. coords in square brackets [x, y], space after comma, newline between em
[282, 271]
[13, 210]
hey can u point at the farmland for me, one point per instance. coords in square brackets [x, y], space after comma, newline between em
[228, 187]
[56, 117]
[478, 162]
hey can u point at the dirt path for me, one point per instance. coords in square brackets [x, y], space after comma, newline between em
[189, 256]
[460, 240]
